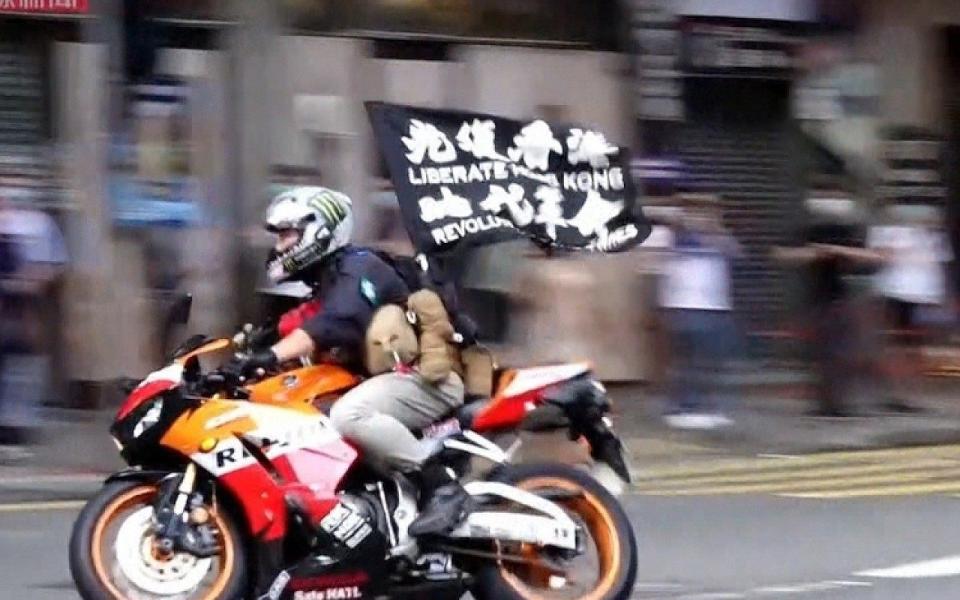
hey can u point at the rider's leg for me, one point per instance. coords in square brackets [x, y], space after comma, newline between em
[378, 415]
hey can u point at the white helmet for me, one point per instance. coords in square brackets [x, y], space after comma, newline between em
[322, 217]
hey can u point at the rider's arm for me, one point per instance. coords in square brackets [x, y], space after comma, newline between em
[321, 332]
[348, 306]
[341, 323]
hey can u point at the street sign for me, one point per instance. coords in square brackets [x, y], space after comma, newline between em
[45, 6]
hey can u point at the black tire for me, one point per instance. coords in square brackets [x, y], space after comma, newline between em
[491, 582]
[83, 564]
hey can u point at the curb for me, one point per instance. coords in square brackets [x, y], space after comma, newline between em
[45, 487]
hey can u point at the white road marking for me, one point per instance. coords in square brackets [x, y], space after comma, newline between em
[851, 583]
[805, 588]
[942, 567]
[759, 592]
[779, 590]
[41, 506]
[651, 587]
[713, 596]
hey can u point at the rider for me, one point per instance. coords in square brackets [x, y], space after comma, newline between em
[313, 229]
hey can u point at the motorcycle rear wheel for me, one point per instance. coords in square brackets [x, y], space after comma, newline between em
[111, 557]
[609, 538]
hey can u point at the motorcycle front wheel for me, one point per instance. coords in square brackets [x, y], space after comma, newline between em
[113, 555]
[605, 570]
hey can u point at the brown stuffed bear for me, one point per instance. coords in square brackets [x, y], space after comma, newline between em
[438, 354]
[391, 336]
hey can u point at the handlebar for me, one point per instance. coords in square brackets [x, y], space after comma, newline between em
[250, 338]
[222, 382]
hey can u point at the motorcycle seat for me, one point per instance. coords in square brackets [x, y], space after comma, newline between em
[466, 412]
[463, 414]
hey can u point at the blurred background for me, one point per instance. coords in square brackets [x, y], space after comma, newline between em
[800, 160]
[798, 157]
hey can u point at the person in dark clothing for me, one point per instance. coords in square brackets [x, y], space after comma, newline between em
[833, 250]
[313, 226]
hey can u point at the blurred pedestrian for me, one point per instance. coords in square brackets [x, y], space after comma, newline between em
[165, 277]
[913, 290]
[833, 252]
[33, 257]
[697, 304]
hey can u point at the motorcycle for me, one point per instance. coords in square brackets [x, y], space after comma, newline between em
[208, 508]
[532, 402]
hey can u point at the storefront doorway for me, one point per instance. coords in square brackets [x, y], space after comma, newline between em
[736, 144]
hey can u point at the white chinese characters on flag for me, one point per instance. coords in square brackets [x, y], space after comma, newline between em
[466, 179]
[45, 6]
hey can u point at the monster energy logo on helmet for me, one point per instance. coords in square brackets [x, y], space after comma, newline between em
[331, 207]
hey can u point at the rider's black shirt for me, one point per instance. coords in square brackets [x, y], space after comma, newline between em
[351, 284]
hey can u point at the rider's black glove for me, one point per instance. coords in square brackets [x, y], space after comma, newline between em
[262, 336]
[249, 365]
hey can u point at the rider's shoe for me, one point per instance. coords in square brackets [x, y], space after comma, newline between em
[443, 502]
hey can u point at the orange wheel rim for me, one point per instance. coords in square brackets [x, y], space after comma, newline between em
[137, 496]
[602, 529]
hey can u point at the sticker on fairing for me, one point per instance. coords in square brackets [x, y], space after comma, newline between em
[339, 593]
[346, 525]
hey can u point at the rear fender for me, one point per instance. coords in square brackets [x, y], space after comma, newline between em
[521, 391]
[581, 405]
[575, 405]
[582, 398]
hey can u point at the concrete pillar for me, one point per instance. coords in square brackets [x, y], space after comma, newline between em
[319, 115]
[207, 248]
[79, 125]
[252, 52]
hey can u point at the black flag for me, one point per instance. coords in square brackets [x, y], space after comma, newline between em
[466, 179]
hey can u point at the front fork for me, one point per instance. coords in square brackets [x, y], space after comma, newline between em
[181, 521]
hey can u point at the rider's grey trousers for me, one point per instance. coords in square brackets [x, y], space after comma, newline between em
[379, 414]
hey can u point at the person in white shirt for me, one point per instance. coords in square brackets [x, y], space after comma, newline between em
[696, 298]
[912, 286]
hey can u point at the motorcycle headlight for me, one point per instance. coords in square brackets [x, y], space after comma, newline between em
[149, 419]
